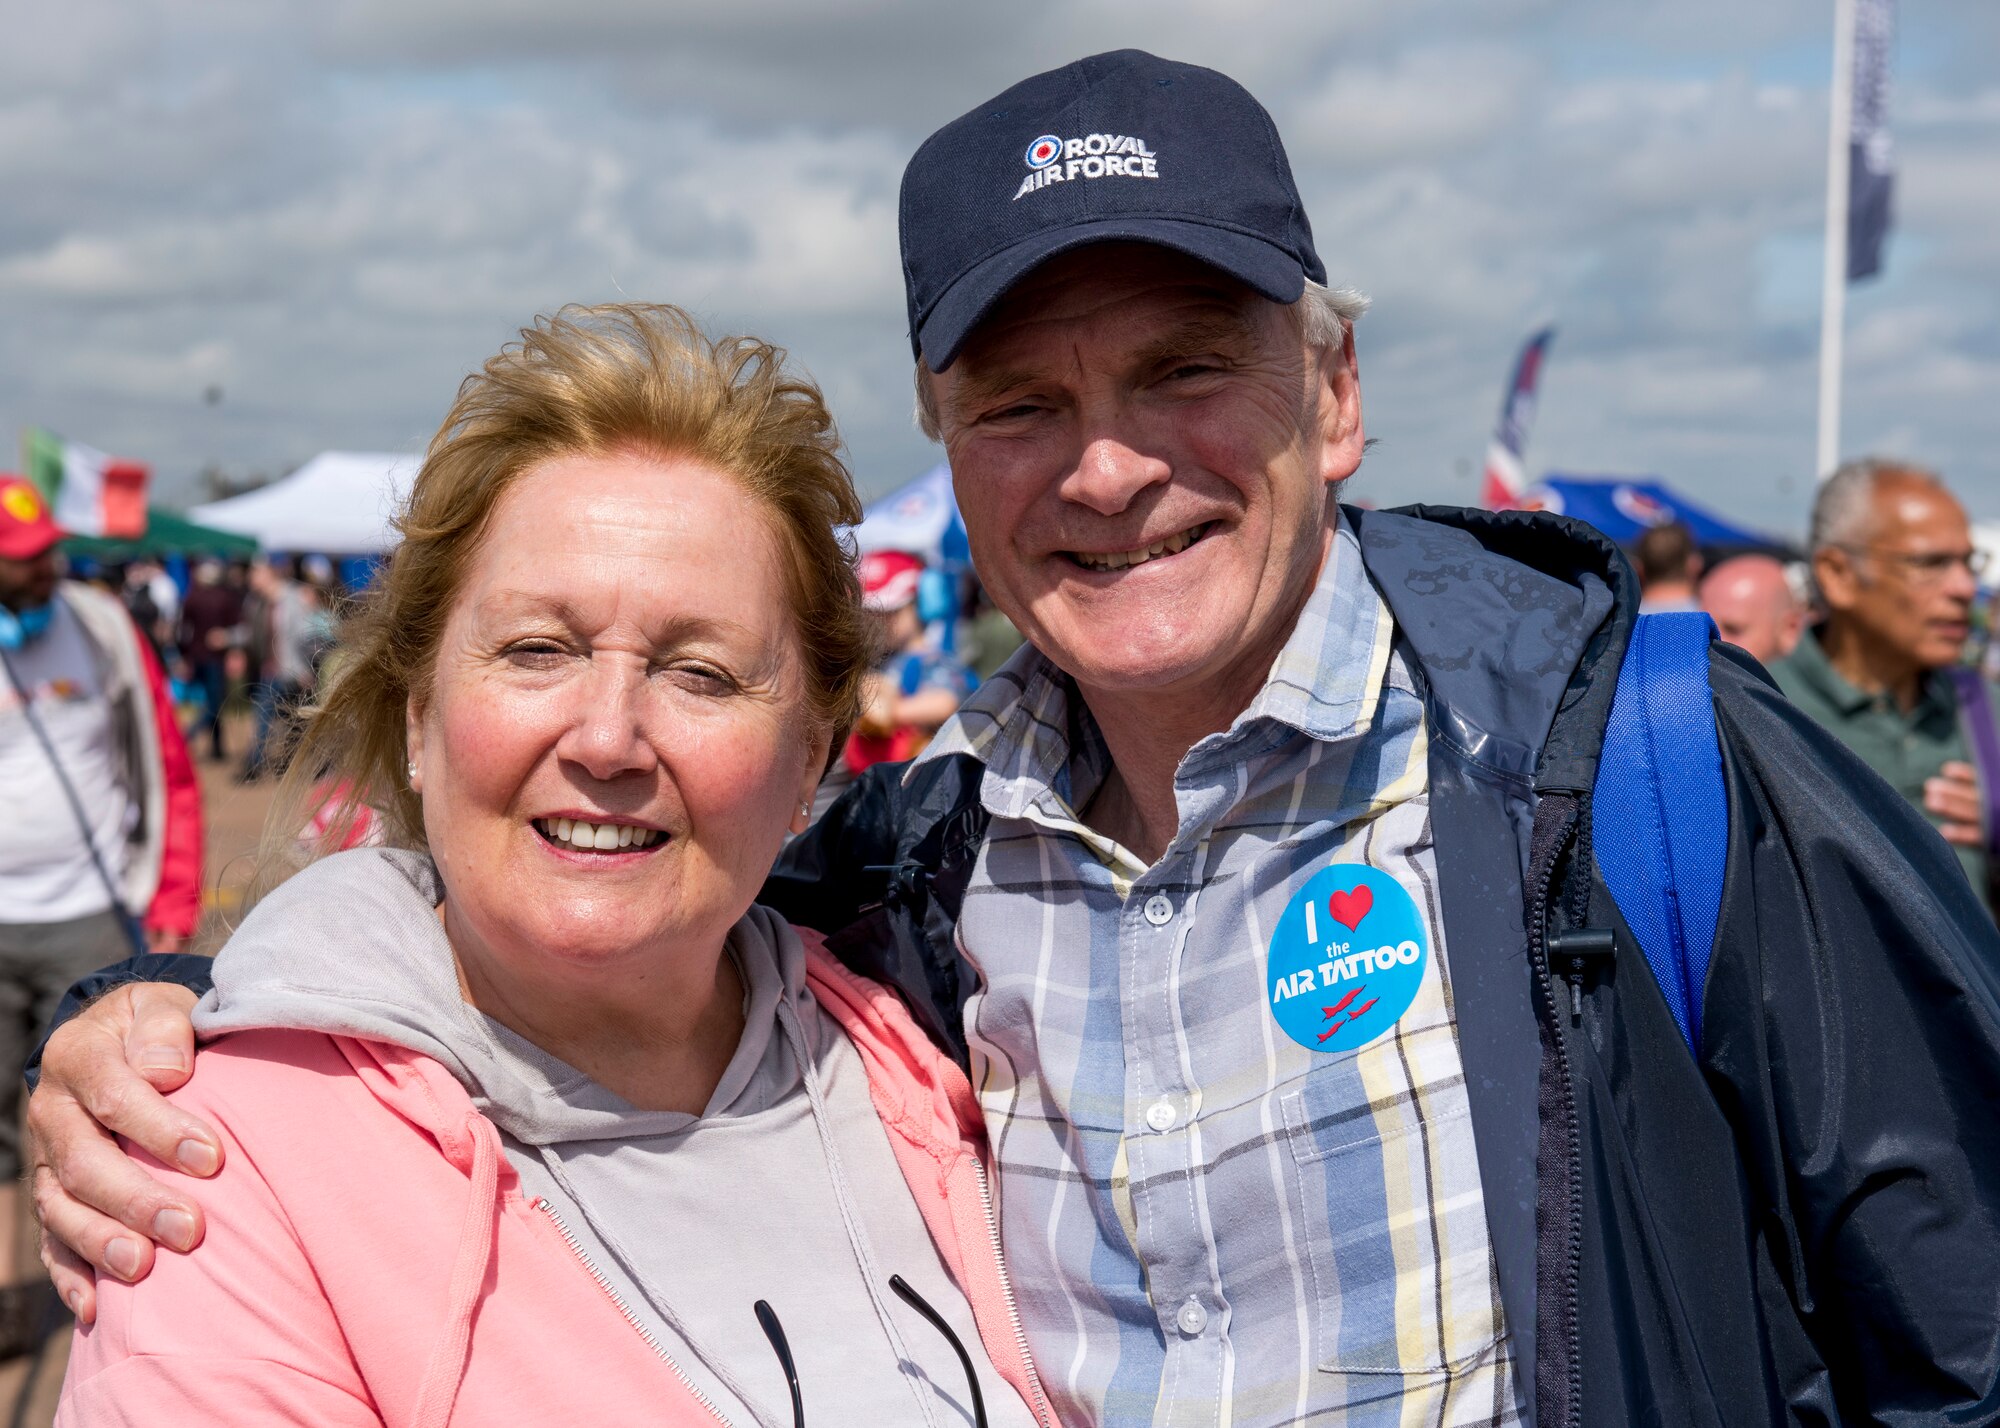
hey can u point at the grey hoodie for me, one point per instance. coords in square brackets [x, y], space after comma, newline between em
[784, 1189]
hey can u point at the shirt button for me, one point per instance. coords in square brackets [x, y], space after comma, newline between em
[1159, 910]
[1192, 1318]
[1161, 1115]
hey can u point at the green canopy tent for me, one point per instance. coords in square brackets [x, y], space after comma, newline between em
[166, 534]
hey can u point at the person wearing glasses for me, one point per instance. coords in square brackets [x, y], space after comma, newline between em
[1897, 575]
[530, 1116]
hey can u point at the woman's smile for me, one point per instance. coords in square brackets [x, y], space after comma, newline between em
[601, 839]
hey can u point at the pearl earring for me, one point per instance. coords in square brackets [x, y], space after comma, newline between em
[413, 770]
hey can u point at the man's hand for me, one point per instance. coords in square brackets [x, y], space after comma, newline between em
[103, 1076]
[163, 941]
[1954, 797]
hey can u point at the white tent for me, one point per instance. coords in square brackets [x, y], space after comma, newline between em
[338, 503]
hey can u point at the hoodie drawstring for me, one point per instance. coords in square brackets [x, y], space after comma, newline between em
[871, 1276]
[446, 1369]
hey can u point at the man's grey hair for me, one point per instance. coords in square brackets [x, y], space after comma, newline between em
[1843, 512]
[1325, 316]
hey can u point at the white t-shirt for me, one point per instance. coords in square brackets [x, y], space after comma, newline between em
[45, 869]
[166, 596]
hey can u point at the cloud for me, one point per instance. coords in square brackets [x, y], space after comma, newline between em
[905, 65]
[1427, 104]
[1926, 109]
[335, 213]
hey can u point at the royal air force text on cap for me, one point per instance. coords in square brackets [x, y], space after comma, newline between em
[1056, 160]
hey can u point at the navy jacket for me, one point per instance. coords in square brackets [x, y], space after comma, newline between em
[1803, 1226]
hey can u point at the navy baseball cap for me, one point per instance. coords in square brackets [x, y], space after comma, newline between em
[1119, 146]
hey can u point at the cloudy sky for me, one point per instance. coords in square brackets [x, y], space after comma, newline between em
[332, 212]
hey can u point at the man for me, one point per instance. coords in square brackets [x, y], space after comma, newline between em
[1750, 599]
[1669, 565]
[166, 598]
[279, 617]
[135, 592]
[210, 617]
[103, 820]
[1896, 571]
[1254, 733]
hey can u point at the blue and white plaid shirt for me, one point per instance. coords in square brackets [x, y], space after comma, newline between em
[1206, 1222]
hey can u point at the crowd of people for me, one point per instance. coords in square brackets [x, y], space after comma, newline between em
[255, 631]
[1216, 1012]
[1878, 635]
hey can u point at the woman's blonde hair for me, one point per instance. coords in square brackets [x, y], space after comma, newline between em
[623, 377]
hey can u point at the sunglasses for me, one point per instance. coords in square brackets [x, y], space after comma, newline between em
[767, 1320]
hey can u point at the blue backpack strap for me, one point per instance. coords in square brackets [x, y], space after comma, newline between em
[1659, 817]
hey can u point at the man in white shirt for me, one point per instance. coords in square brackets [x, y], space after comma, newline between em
[100, 853]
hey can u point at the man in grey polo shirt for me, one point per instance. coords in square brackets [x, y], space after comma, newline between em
[1238, 890]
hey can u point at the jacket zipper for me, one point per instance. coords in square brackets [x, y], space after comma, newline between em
[646, 1335]
[1573, 1153]
[1043, 1415]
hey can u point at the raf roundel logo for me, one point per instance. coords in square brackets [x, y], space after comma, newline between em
[1636, 505]
[1044, 151]
[1347, 959]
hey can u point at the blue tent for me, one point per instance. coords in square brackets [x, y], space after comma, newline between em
[921, 518]
[1623, 507]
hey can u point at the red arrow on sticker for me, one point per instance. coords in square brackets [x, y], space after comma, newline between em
[1342, 1006]
[1359, 1011]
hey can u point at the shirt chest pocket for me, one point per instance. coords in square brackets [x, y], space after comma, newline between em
[1400, 1270]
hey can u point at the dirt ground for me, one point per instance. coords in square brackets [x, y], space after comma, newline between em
[233, 821]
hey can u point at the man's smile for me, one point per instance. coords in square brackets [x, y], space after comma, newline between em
[1107, 561]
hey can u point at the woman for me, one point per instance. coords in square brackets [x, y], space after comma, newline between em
[525, 1111]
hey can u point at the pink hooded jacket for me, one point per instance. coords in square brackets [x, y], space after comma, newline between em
[370, 1259]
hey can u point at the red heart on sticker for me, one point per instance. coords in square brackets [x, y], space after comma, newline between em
[1348, 908]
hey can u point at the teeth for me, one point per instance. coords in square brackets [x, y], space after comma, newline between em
[1118, 560]
[597, 837]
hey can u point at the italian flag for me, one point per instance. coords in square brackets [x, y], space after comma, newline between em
[88, 492]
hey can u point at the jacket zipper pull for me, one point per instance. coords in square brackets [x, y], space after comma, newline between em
[902, 882]
[1574, 950]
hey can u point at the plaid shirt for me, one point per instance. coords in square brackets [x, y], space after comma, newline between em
[1206, 1222]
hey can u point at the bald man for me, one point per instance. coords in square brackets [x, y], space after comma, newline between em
[1753, 606]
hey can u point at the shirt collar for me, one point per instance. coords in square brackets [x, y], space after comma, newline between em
[1808, 657]
[1041, 749]
[1327, 680]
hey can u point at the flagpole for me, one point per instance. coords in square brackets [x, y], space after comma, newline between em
[1833, 285]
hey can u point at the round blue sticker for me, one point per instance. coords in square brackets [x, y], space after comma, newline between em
[1347, 958]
